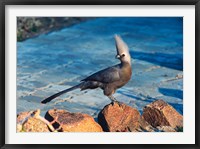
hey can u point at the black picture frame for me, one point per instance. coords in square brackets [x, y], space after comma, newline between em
[4, 3]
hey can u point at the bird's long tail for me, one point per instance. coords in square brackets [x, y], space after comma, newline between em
[60, 93]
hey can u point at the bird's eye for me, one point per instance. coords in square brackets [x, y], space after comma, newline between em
[123, 55]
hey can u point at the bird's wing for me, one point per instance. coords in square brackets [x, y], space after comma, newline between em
[107, 75]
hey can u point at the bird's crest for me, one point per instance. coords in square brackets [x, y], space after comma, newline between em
[121, 45]
[122, 49]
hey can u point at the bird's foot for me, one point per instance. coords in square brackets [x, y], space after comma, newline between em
[119, 103]
[113, 100]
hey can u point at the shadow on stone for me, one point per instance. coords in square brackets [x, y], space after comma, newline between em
[174, 61]
[171, 92]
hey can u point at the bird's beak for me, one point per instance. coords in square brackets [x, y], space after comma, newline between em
[117, 56]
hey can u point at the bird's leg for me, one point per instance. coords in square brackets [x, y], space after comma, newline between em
[112, 98]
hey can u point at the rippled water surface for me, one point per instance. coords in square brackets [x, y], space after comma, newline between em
[58, 60]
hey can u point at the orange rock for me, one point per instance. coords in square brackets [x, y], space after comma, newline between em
[119, 117]
[72, 122]
[26, 123]
[159, 113]
[145, 126]
[35, 125]
[21, 117]
[166, 129]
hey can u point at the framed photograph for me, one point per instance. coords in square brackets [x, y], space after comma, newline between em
[103, 74]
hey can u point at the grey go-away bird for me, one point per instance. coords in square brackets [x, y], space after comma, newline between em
[108, 79]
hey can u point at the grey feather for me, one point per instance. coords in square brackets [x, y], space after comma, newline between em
[108, 75]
